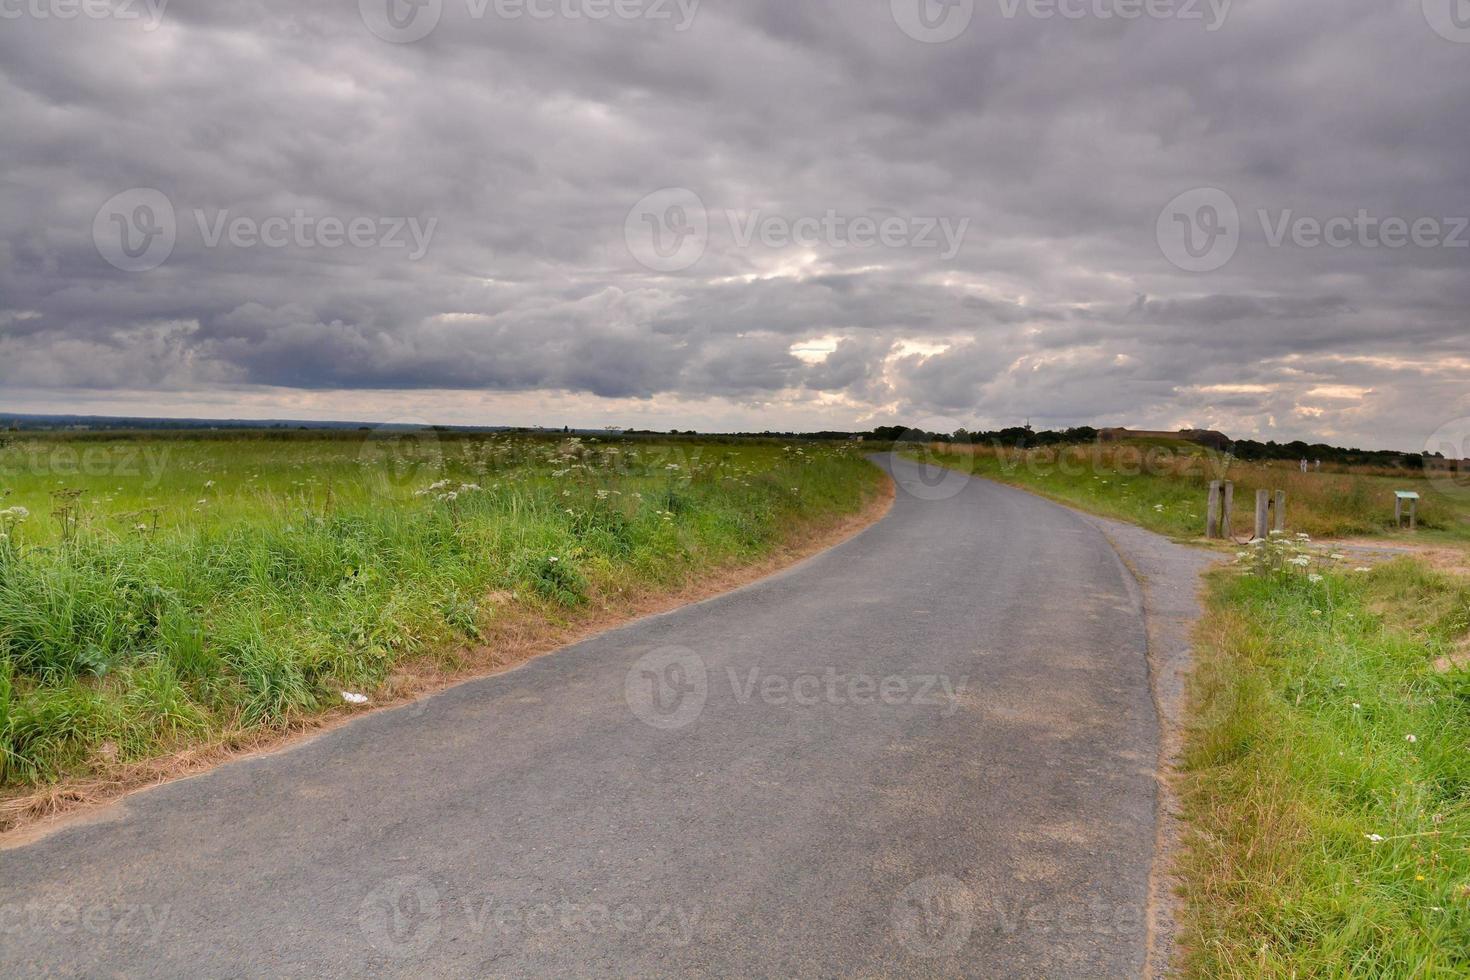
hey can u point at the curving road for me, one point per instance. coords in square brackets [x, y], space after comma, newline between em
[929, 751]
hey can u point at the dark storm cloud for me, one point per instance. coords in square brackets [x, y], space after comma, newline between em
[526, 143]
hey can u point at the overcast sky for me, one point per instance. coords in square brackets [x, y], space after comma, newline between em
[752, 214]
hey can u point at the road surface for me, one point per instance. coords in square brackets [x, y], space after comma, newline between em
[929, 751]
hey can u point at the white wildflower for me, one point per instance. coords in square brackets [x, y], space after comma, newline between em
[1375, 838]
[1314, 578]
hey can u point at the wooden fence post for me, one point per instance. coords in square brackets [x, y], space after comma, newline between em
[1263, 511]
[1226, 527]
[1212, 511]
[1281, 510]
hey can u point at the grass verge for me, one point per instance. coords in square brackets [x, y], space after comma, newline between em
[1326, 776]
[272, 578]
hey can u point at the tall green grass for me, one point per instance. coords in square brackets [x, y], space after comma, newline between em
[247, 582]
[1327, 777]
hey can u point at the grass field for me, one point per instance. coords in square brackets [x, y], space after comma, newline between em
[1162, 485]
[162, 591]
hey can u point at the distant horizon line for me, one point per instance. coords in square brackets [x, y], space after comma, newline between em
[191, 421]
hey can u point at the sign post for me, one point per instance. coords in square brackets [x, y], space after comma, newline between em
[1399, 496]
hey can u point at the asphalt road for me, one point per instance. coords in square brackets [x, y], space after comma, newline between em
[929, 751]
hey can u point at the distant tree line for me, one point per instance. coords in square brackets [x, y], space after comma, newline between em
[1251, 449]
[1013, 437]
[1024, 437]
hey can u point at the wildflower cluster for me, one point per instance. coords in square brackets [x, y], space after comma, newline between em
[447, 491]
[9, 518]
[1281, 554]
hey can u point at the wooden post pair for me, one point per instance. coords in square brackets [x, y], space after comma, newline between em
[1221, 503]
[1264, 506]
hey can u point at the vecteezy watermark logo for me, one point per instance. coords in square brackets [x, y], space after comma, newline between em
[406, 21]
[125, 461]
[1362, 230]
[668, 230]
[667, 688]
[403, 452]
[1106, 460]
[1447, 458]
[1450, 19]
[934, 916]
[1199, 230]
[504, 921]
[149, 11]
[830, 686]
[302, 230]
[401, 21]
[933, 21]
[928, 471]
[670, 687]
[839, 231]
[1212, 13]
[405, 916]
[400, 917]
[135, 230]
[139, 924]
